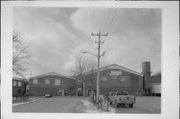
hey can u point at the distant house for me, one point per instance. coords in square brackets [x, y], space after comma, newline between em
[20, 86]
[54, 83]
[112, 78]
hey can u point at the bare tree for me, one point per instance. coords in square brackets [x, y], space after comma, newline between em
[21, 55]
[81, 67]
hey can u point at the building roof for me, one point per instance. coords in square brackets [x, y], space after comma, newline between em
[115, 66]
[52, 74]
[156, 78]
[19, 79]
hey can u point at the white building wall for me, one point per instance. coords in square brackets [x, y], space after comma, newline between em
[156, 88]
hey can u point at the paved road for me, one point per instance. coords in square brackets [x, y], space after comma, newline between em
[54, 104]
[143, 105]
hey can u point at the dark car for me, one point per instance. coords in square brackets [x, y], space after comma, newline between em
[48, 95]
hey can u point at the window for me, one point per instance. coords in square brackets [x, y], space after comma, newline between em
[124, 78]
[104, 78]
[35, 81]
[19, 91]
[57, 82]
[79, 89]
[79, 81]
[14, 83]
[19, 83]
[47, 81]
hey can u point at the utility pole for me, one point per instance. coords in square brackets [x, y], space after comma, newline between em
[98, 59]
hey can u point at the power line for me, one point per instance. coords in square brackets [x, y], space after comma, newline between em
[112, 20]
[106, 22]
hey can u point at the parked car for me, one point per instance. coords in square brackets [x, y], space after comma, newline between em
[121, 98]
[48, 95]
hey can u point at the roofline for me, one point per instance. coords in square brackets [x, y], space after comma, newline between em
[20, 79]
[120, 67]
[55, 74]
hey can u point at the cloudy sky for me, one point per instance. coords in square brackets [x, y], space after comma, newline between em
[59, 35]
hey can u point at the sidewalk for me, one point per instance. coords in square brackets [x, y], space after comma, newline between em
[26, 102]
[91, 108]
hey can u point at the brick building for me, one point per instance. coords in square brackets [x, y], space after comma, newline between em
[20, 86]
[112, 78]
[53, 83]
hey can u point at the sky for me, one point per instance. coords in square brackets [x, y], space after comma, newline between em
[57, 36]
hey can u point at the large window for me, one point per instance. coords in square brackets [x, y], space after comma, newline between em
[19, 83]
[104, 78]
[35, 81]
[124, 78]
[14, 83]
[57, 82]
[47, 81]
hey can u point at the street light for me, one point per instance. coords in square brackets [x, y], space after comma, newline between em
[98, 69]
[89, 53]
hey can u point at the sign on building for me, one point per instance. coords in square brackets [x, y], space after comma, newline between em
[115, 73]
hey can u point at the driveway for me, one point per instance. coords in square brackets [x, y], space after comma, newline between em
[47, 105]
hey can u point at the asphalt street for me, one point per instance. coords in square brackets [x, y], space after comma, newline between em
[51, 105]
[143, 105]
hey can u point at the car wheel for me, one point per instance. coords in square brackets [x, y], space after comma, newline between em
[131, 105]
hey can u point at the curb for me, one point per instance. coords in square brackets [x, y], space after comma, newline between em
[96, 110]
[87, 104]
[25, 103]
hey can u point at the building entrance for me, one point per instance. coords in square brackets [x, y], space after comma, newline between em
[61, 92]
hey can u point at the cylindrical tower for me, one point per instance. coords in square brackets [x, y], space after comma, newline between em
[146, 68]
[146, 71]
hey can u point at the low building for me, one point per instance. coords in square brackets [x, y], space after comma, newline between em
[112, 78]
[156, 84]
[20, 86]
[53, 83]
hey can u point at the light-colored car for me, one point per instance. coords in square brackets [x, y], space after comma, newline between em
[122, 98]
[48, 95]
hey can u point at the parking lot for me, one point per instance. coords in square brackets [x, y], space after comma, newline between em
[143, 105]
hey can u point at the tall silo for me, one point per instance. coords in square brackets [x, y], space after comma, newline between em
[146, 71]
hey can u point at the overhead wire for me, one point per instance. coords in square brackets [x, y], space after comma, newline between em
[112, 20]
[106, 21]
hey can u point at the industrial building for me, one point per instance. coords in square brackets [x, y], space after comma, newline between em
[52, 83]
[115, 78]
[112, 78]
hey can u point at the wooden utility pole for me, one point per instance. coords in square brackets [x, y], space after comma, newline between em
[99, 43]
